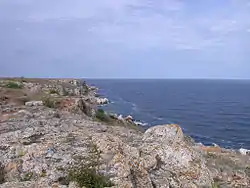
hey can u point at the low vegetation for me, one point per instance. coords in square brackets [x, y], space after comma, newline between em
[53, 91]
[102, 116]
[215, 185]
[50, 102]
[13, 85]
[27, 176]
[247, 171]
[1, 173]
[87, 175]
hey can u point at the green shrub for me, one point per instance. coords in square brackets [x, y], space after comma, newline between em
[27, 176]
[247, 171]
[215, 185]
[86, 175]
[1, 173]
[50, 102]
[53, 91]
[21, 153]
[13, 85]
[44, 173]
[102, 116]
[89, 178]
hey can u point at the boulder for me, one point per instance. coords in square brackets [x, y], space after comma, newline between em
[129, 118]
[244, 151]
[85, 107]
[75, 82]
[34, 103]
[120, 118]
[171, 161]
[163, 159]
[124, 162]
[101, 101]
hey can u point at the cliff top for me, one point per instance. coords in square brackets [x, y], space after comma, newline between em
[53, 134]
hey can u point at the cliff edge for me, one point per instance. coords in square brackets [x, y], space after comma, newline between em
[54, 135]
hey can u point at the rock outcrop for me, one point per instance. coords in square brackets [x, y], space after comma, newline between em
[39, 144]
[101, 101]
[34, 103]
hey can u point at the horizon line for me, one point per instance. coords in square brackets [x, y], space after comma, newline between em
[114, 78]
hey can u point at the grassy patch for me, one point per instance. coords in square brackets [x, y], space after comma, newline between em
[43, 173]
[2, 174]
[134, 126]
[27, 176]
[13, 85]
[215, 185]
[86, 175]
[21, 153]
[50, 102]
[60, 168]
[102, 116]
[247, 171]
[53, 91]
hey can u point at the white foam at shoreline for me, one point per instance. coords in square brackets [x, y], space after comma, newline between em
[140, 123]
[244, 151]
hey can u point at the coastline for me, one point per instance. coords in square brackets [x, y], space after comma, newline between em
[58, 132]
[202, 112]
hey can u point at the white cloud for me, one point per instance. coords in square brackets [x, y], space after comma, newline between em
[141, 23]
[170, 24]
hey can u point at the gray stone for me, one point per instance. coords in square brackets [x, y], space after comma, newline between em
[34, 103]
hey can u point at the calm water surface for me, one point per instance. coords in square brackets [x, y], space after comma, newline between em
[211, 111]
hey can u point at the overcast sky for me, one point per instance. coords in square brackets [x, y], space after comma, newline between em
[125, 38]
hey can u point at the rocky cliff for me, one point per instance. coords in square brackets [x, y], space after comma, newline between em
[53, 135]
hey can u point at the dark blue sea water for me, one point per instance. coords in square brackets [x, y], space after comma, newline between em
[211, 111]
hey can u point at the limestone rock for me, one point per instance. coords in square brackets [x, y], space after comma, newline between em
[34, 103]
[101, 101]
[129, 118]
[171, 161]
[124, 162]
[244, 151]
[38, 145]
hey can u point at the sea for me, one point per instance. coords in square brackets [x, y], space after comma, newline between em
[210, 111]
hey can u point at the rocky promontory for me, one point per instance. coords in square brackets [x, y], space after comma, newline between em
[54, 134]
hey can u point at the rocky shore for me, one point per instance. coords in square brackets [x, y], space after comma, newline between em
[54, 134]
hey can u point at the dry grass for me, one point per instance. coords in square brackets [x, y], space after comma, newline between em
[2, 174]
[86, 174]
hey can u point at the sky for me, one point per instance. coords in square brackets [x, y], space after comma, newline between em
[125, 38]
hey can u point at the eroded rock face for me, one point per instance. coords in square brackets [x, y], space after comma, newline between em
[171, 161]
[38, 145]
[123, 161]
[163, 159]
